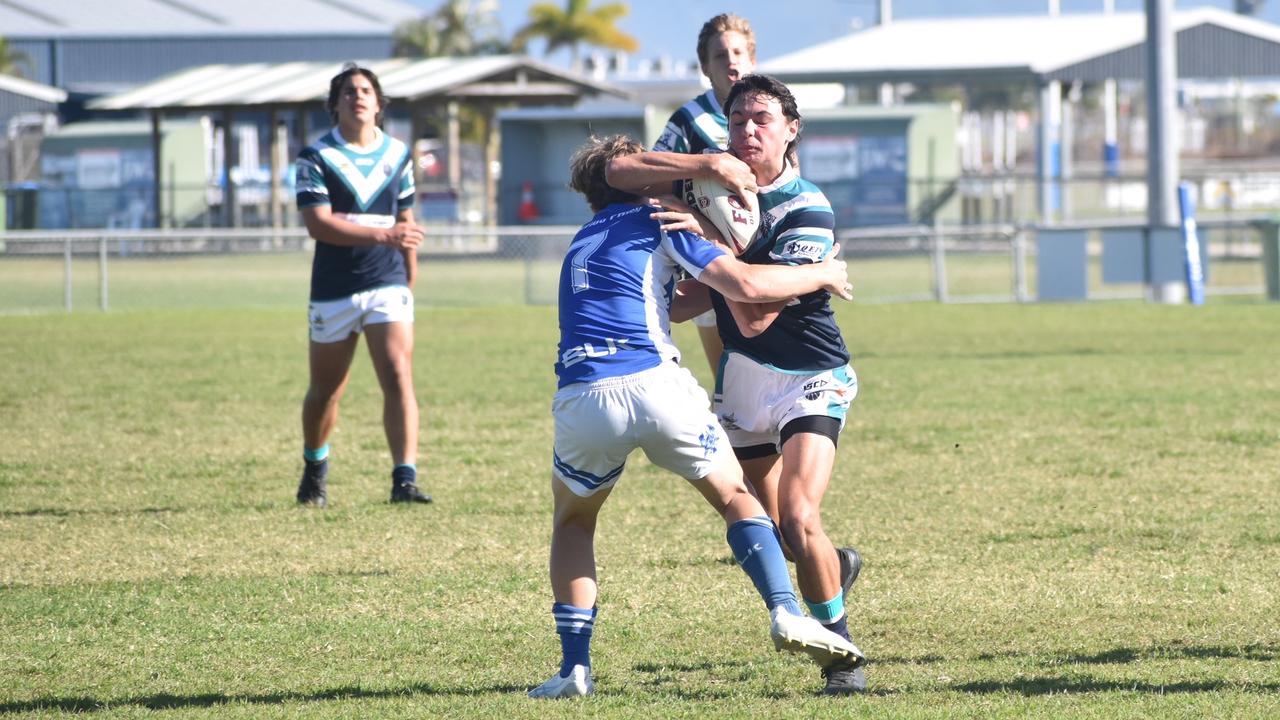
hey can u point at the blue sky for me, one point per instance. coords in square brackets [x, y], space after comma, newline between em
[670, 27]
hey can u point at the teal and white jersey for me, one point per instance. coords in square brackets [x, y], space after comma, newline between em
[699, 125]
[364, 186]
[796, 227]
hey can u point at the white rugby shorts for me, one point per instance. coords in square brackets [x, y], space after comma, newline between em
[334, 320]
[755, 402]
[661, 410]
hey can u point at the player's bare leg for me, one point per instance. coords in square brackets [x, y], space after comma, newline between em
[330, 366]
[807, 460]
[391, 349]
[762, 476]
[573, 556]
[573, 584]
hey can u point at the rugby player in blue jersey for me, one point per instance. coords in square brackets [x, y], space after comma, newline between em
[726, 52]
[620, 387]
[784, 384]
[355, 191]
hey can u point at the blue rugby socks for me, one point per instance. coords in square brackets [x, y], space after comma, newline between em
[574, 625]
[755, 545]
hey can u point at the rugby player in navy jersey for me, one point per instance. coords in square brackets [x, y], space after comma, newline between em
[355, 191]
[726, 52]
[784, 384]
[620, 387]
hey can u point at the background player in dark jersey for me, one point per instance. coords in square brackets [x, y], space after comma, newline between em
[726, 52]
[355, 192]
[621, 387]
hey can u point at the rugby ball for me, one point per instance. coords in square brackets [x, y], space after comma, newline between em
[731, 216]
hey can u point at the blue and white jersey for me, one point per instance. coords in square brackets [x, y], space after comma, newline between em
[699, 125]
[616, 286]
[796, 227]
[367, 187]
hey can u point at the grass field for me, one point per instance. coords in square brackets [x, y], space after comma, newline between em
[1066, 511]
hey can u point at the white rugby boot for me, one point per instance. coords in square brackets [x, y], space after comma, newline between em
[803, 634]
[578, 684]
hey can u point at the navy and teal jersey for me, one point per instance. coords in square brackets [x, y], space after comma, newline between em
[367, 187]
[616, 286]
[796, 228]
[699, 125]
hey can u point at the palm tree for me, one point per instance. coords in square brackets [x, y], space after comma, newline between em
[455, 29]
[10, 59]
[576, 24]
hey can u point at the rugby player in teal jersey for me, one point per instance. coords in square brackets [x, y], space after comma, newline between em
[783, 385]
[355, 193]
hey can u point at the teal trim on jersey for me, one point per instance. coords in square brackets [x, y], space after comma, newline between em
[365, 164]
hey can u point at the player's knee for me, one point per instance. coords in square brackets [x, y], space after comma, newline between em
[798, 523]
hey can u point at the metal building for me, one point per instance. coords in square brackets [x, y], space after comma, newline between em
[91, 48]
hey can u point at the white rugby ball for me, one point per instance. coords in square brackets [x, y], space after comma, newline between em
[725, 210]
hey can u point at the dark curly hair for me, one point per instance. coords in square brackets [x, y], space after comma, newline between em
[768, 86]
[335, 90]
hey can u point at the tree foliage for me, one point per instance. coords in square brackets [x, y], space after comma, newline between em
[11, 60]
[456, 28]
[574, 25]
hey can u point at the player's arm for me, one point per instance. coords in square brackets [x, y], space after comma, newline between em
[691, 299]
[776, 284]
[652, 173]
[753, 319]
[326, 227]
[410, 254]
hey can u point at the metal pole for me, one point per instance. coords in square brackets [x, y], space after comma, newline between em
[66, 276]
[1047, 137]
[1020, 266]
[102, 273]
[157, 164]
[1162, 148]
[939, 262]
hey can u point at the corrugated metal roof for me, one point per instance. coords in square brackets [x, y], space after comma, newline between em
[262, 84]
[33, 90]
[1035, 45]
[193, 18]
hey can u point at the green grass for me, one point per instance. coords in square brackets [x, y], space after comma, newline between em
[1065, 510]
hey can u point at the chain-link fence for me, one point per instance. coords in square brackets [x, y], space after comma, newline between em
[459, 266]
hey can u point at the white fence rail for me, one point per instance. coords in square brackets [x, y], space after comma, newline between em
[943, 263]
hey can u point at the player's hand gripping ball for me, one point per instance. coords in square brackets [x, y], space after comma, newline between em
[731, 216]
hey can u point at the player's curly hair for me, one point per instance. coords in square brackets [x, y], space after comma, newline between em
[335, 90]
[722, 23]
[768, 86]
[587, 170]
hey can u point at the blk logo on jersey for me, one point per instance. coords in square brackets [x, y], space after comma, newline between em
[577, 354]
